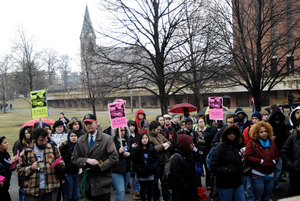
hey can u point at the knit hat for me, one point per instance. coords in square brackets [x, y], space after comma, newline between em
[183, 142]
[167, 116]
[187, 120]
[37, 124]
[174, 115]
[57, 123]
[257, 114]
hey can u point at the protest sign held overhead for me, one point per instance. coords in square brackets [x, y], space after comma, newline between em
[215, 108]
[117, 114]
[39, 105]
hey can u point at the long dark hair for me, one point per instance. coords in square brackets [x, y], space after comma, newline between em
[140, 144]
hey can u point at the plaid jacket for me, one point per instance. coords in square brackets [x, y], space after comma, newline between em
[32, 180]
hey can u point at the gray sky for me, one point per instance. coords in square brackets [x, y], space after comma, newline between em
[56, 24]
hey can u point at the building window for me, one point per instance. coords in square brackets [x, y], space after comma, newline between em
[290, 64]
[57, 103]
[143, 101]
[153, 100]
[70, 104]
[178, 99]
[273, 66]
[82, 104]
[242, 99]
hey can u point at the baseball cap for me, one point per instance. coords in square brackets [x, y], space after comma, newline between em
[89, 118]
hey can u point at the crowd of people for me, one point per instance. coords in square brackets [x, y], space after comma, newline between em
[240, 159]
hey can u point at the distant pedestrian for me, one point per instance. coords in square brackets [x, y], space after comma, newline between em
[291, 99]
[253, 104]
[10, 105]
[1, 106]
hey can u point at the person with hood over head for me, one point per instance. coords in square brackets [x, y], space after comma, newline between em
[277, 121]
[121, 171]
[281, 107]
[226, 164]
[76, 124]
[59, 133]
[70, 187]
[295, 114]
[134, 137]
[185, 179]
[141, 122]
[25, 140]
[242, 118]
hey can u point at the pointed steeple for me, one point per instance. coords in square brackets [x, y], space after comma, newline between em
[87, 26]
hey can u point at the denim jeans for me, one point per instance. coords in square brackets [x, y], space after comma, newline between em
[70, 187]
[262, 188]
[120, 182]
[247, 187]
[22, 196]
[235, 194]
[291, 106]
[137, 183]
[277, 172]
[156, 192]
[253, 108]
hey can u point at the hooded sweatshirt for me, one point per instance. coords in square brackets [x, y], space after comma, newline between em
[279, 127]
[143, 126]
[245, 118]
[293, 118]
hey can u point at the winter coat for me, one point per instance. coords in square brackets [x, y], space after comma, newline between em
[185, 179]
[140, 167]
[137, 135]
[245, 118]
[66, 152]
[290, 154]
[293, 119]
[200, 141]
[172, 137]
[246, 134]
[124, 164]
[176, 126]
[219, 134]
[224, 158]
[158, 141]
[70, 124]
[6, 166]
[57, 138]
[267, 154]
[279, 129]
[21, 145]
[102, 149]
[143, 126]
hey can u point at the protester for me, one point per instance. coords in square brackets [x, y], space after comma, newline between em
[164, 131]
[34, 164]
[76, 124]
[227, 165]
[265, 115]
[256, 117]
[96, 151]
[281, 107]
[295, 114]
[161, 144]
[134, 137]
[261, 153]
[186, 114]
[253, 104]
[185, 180]
[70, 187]
[277, 121]
[25, 140]
[182, 126]
[5, 163]
[146, 162]
[64, 119]
[141, 122]
[59, 133]
[172, 134]
[175, 122]
[242, 119]
[121, 171]
[291, 158]
[291, 99]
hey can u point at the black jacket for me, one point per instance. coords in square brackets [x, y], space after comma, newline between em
[176, 126]
[279, 128]
[245, 118]
[139, 164]
[224, 158]
[66, 153]
[290, 154]
[4, 159]
[124, 164]
[219, 134]
[185, 179]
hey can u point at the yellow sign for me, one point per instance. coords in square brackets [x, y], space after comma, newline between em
[39, 105]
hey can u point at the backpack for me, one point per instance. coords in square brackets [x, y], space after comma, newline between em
[209, 156]
[167, 177]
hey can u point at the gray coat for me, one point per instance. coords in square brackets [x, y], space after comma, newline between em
[103, 149]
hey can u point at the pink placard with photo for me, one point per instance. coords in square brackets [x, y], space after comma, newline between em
[117, 114]
[215, 108]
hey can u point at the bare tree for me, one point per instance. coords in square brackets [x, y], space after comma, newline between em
[6, 66]
[51, 60]
[142, 39]
[262, 39]
[64, 66]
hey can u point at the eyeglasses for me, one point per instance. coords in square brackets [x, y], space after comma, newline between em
[42, 140]
[122, 130]
[201, 121]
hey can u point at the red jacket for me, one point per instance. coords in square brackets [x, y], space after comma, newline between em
[143, 127]
[246, 134]
[267, 154]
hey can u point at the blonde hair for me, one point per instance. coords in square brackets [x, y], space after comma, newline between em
[264, 112]
[254, 130]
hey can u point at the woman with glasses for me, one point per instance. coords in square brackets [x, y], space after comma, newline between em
[121, 172]
[5, 168]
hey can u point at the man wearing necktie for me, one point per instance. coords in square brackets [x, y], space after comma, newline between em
[96, 153]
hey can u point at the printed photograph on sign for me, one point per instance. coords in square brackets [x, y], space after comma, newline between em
[117, 110]
[215, 108]
[117, 114]
[39, 105]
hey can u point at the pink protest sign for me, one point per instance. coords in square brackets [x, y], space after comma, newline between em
[56, 162]
[2, 178]
[117, 114]
[215, 108]
[13, 166]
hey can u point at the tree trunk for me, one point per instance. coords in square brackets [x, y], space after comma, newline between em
[257, 99]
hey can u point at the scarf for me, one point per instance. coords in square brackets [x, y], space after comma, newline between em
[265, 143]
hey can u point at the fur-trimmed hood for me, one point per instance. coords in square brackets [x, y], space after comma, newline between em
[228, 130]
[73, 120]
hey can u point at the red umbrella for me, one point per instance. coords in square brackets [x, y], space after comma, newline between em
[178, 108]
[31, 122]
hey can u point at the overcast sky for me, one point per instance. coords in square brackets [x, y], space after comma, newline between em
[56, 24]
